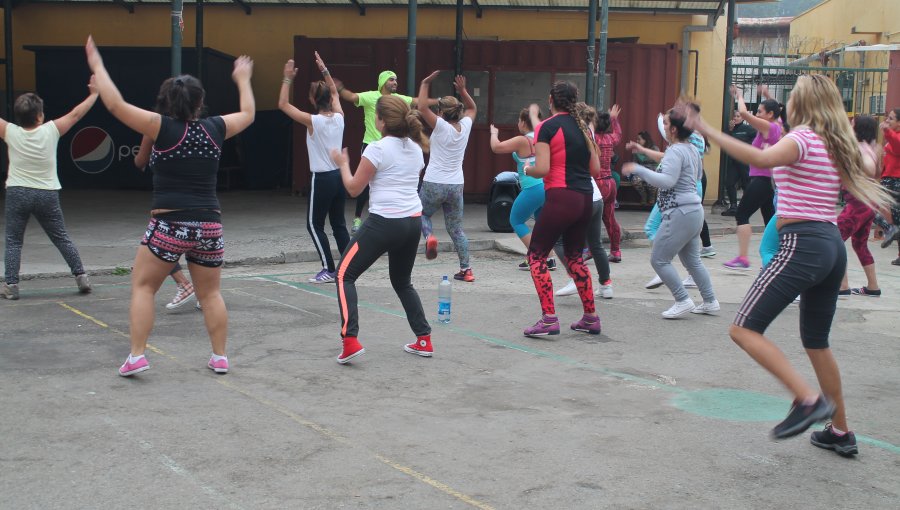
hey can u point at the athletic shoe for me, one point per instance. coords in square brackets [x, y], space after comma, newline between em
[896, 262]
[219, 367]
[844, 293]
[545, 326]
[357, 223]
[183, 296]
[862, 291]
[84, 285]
[708, 308]
[352, 349]
[323, 276]
[679, 309]
[568, 290]
[616, 205]
[431, 247]
[464, 275]
[422, 346]
[551, 264]
[10, 291]
[739, 263]
[890, 235]
[707, 251]
[731, 211]
[129, 368]
[587, 324]
[523, 266]
[615, 256]
[844, 445]
[802, 416]
[606, 290]
[689, 283]
[654, 283]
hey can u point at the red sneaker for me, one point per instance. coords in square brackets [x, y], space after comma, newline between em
[352, 349]
[464, 275]
[431, 247]
[422, 346]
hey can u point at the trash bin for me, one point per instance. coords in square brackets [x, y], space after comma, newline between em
[504, 191]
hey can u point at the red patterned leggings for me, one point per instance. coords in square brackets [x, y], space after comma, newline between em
[566, 213]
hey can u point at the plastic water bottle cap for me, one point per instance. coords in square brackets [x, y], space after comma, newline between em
[445, 277]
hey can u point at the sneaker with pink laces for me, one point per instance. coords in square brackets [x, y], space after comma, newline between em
[138, 366]
[545, 326]
[219, 366]
[422, 346]
[738, 263]
[587, 324]
[352, 349]
[183, 296]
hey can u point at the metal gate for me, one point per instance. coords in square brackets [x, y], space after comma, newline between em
[863, 89]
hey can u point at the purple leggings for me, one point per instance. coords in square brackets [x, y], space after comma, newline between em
[566, 213]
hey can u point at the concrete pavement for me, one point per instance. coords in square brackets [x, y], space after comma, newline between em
[261, 227]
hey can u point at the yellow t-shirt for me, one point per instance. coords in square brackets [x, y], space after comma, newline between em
[32, 156]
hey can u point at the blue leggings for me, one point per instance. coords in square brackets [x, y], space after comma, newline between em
[770, 242]
[526, 205]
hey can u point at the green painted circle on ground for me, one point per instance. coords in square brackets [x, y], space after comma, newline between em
[733, 405]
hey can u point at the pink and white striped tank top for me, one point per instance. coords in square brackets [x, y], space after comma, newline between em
[809, 188]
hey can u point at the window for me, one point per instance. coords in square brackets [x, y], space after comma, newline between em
[477, 84]
[516, 90]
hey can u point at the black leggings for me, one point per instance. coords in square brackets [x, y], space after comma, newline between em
[810, 262]
[399, 238]
[363, 198]
[737, 173]
[704, 233]
[759, 195]
[327, 199]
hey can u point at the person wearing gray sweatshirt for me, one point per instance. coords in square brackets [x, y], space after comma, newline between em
[682, 219]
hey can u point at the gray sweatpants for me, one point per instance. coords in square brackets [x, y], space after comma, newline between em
[679, 234]
[21, 203]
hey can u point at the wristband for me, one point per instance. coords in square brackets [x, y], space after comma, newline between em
[287, 81]
[325, 72]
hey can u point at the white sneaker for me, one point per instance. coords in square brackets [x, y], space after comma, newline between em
[654, 283]
[708, 308]
[568, 290]
[605, 291]
[707, 251]
[689, 283]
[679, 309]
[183, 296]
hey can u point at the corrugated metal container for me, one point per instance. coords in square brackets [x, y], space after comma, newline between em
[509, 75]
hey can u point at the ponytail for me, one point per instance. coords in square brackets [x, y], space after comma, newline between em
[181, 97]
[416, 131]
[400, 121]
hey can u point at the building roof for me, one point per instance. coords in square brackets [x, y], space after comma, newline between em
[702, 7]
[780, 22]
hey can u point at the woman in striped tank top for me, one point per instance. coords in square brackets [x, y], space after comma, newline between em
[811, 163]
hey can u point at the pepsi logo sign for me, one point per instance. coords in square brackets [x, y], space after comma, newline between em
[92, 150]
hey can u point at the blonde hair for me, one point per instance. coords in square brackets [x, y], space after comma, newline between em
[401, 121]
[587, 113]
[451, 108]
[816, 103]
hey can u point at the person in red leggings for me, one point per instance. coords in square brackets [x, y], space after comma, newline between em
[608, 135]
[566, 158]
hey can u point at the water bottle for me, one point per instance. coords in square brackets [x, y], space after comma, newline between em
[444, 290]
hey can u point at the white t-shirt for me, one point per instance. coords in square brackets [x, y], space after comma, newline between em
[393, 190]
[327, 134]
[448, 146]
[32, 156]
